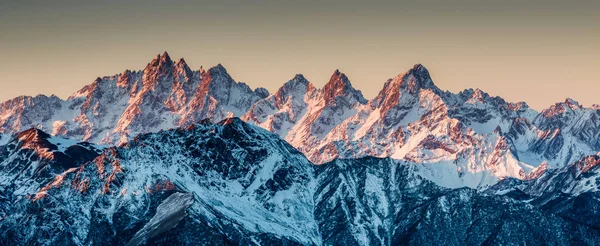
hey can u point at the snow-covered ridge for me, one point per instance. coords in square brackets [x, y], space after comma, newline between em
[242, 182]
[113, 109]
[477, 137]
[235, 183]
[465, 139]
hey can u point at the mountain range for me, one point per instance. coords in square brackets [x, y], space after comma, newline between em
[171, 155]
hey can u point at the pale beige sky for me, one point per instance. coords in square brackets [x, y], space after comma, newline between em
[537, 51]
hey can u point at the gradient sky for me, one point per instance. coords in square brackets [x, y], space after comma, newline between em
[538, 51]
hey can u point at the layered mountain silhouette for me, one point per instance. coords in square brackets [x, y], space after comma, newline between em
[171, 155]
[475, 137]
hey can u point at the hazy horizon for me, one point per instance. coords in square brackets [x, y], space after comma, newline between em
[540, 52]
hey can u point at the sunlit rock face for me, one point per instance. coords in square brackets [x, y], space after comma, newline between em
[470, 138]
[114, 109]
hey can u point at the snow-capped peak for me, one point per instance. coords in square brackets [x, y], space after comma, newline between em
[160, 66]
[560, 108]
[161, 60]
[218, 79]
[298, 78]
[181, 67]
[477, 96]
[410, 119]
[294, 87]
[339, 85]
[418, 78]
[412, 81]
[165, 59]
[218, 69]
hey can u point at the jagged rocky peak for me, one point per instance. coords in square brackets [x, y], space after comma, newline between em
[216, 74]
[218, 78]
[285, 104]
[59, 149]
[561, 107]
[298, 79]
[181, 63]
[419, 69]
[161, 65]
[417, 78]
[517, 106]
[339, 86]
[33, 136]
[165, 60]
[412, 81]
[154, 61]
[37, 139]
[86, 90]
[182, 69]
[218, 69]
[409, 82]
[572, 103]
[297, 85]
[124, 78]
[475, 94]
[261, 92]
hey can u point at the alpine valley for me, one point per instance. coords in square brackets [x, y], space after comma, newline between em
[174, 156]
